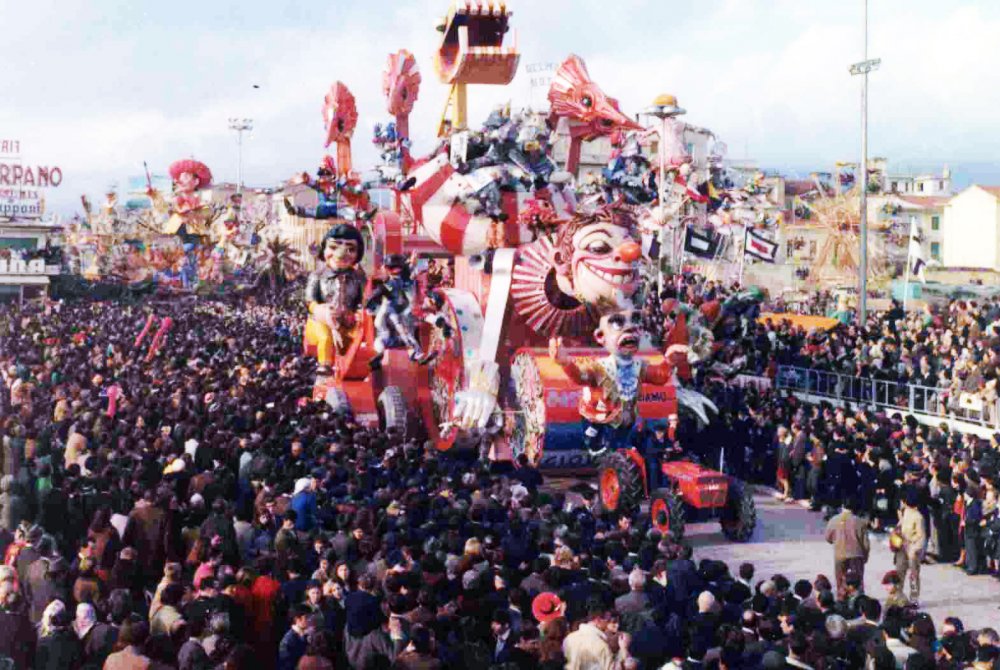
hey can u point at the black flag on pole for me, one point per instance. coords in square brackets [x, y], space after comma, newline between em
[701, 244]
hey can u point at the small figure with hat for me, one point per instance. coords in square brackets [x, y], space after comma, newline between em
[391, 302]
[627, 174]
[325, 185]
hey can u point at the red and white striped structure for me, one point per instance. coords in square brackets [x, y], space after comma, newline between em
[435, 203]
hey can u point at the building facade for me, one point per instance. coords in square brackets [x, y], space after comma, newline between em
[26, 263]
[971, 224]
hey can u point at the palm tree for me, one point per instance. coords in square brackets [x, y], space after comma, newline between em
[278, 261]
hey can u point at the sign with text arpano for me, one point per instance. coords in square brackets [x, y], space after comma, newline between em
[20, 267]
[15, 174]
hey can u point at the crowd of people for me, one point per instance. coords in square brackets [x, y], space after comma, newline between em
[188, 506]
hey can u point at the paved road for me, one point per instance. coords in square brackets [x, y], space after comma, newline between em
[789, 540]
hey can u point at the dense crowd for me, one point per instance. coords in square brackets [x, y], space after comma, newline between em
[190, 507]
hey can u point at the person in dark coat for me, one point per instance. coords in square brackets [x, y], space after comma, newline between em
[59, 648]
[13, 507]
[974, 559]
[98, 639]
[29, 554]
[17, 635]
[220, 525]
[146, 531]
[293, 644]
[944, 518]
[46, 582]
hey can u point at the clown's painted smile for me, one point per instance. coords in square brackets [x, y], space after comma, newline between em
[604, 263]
[620, 277]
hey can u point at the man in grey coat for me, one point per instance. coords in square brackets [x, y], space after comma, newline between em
[636, 600]
[848, 533]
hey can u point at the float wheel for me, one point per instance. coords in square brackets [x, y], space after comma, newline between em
[666, 511]
[338, 401]
[739, 517]
[392, 410]
[620, 483]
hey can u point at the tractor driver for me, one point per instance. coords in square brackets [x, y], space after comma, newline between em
[610, 402]
[661, 445]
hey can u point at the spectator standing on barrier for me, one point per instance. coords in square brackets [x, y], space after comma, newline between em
[910, 555]
[848, 533]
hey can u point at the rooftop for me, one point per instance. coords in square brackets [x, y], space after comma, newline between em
[926, 201]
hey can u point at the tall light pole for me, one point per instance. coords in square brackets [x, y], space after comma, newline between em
[863, 68]
[664, 108]
[240, 126]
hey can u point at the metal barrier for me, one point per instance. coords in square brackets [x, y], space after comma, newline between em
[906, 398]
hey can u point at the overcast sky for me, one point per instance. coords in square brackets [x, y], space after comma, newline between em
[98, 86]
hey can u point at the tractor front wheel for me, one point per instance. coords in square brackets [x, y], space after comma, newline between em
[620, 481]
[740, 514]
[666, 510]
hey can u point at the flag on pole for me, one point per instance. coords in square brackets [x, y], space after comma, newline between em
[916, 251]
[760, 247]
[701, 244]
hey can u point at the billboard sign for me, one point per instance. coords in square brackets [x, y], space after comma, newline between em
[136, 185]
[20, 183]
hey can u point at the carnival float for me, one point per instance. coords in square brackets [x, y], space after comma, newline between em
[531, 351]
[177, 241]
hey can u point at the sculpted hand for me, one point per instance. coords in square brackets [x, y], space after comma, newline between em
[473, 409]
[338, 340]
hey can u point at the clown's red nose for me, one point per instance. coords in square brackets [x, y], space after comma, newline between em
[628, 252]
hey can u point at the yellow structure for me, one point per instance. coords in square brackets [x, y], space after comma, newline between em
[472, 52]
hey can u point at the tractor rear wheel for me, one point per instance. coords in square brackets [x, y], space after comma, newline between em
[620, 482]
[666, 510]
[739, 517]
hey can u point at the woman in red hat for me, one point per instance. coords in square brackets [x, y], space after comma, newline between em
[547, 606]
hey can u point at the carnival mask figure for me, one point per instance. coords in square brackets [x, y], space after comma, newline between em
[334, 295]
[609, 403]
[596, 259]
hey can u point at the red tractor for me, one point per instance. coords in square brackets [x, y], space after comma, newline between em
[694, 493]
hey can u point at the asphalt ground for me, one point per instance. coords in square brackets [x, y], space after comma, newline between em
[789, 540]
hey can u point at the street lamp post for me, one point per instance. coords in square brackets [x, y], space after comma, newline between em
[240, 126]
[863, 68]
[664, 108]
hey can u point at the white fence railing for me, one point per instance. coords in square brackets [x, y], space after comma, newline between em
[888, 395]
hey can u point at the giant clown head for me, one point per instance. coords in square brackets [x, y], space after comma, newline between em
[596, 257]
[190, 175]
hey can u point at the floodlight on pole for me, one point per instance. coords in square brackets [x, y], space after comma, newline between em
[862, 69]
[240, 126]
